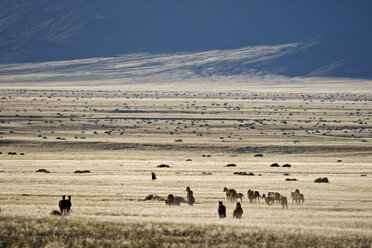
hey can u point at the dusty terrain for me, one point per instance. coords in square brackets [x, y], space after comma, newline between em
[120, 137]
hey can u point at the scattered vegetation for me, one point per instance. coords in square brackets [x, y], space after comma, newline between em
[154, 197]
[321, 180]
[231, 165]
[82, 171]
[163, 166]
[243, 173]
[274, 165]
[291, 179]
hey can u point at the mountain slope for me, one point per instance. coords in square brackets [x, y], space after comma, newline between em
[42, 30]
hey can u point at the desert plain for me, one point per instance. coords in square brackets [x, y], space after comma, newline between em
[118, 137]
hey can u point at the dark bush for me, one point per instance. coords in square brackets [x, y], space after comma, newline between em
[321, 180]
[242, 173]
[274, 165]
[230, 165]
[55, 212]
[43, 171]
[82, 171]
[163, 166]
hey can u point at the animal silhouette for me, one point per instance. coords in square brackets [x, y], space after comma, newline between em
[170, 200]
[283, 202]
[221, 210]
[269, 201]
[153, 176]
[231, 194]
[238, 212]
[240, 196]
[190, 198]
[65, 205]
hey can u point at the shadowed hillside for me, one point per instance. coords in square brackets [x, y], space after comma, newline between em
[339, 32]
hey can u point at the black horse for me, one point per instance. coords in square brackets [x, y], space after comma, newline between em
[221, 210]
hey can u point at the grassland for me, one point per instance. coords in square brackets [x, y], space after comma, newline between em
[122, 136]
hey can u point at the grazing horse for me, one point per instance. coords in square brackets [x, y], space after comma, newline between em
[301, 198]
[170, 200]
[269, 201]
[231, 194]
[221, 210]
[240, 196]
[250, 196]
[283, 202]
[238, 212]
[253, 196]
[297, 198]
[257, 196]
[275, 195]
[294, 197]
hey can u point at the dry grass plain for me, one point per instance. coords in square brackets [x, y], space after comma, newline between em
[122, 136]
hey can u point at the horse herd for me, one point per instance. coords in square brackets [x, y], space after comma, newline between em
[231, 194]
[254, 197]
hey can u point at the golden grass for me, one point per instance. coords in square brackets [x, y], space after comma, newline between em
[311, 132]
[83, 232]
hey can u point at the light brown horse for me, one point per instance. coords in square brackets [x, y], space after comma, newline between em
[275, 195]
[297, 198]
[269, 201]
[231, 194]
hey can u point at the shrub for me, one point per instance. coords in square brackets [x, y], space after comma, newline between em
[163, 166]
[321, 180]
[231, 165]
[82, 171]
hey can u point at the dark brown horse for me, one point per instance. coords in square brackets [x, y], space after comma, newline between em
[238, 212]
[65, 205]
[170, 200]
[231, 194]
